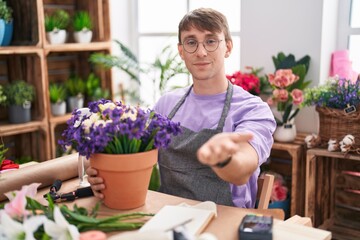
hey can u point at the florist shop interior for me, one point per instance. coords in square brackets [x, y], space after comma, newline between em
[68, 67]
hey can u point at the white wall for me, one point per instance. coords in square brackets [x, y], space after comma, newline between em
[300, 27]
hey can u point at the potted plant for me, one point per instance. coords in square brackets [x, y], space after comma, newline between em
[338, 104]
[75, 88]
[19, 95]
[55, 26]
[94, 90]
[288, 83]
[2, 95]
[57, 93]
[82, 25]
[6, 24]
[121, 141]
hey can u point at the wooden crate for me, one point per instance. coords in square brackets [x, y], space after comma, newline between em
[62, 65]
[27, 23]
[25, 67]
[98, 10]
[333, 192]
[26, 146]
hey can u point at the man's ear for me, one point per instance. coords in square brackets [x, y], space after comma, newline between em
[181, 51]
[229, 46]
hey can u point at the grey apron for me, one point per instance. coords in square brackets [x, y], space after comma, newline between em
[181, 172]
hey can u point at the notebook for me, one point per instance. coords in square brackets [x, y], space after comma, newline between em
[195, 218]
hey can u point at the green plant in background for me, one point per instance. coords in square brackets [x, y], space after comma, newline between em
[60, 19]
[57, 92]
[2, 95]
[94, 90]
[75, 86]
[5, 12]
[82, 21]
[3, 150]
[167, 65]
[126, 62]
[19, 93]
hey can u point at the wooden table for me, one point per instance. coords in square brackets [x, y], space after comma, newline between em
[296, 150]
[327, 195]
[224, 226]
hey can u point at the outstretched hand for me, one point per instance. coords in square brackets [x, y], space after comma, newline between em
[221, 146]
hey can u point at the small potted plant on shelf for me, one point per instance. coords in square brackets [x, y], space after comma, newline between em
[75, 87]
[6, 24]
[2, 95]
[94, 90]
[82, 27]
[57, 92]
[55, 26]
[19, 95]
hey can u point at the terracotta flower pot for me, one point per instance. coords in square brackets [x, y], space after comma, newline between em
[126, 177]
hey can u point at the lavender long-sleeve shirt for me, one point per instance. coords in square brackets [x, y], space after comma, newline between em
[247, 113]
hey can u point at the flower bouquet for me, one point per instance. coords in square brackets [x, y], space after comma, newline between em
[23, 217]
[288, 84]
[338, 105]
[117, 139]
[250, 81]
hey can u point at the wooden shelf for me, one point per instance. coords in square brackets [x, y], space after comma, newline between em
[76, 47]
[31, 58]
[21, 50]
[7, 129]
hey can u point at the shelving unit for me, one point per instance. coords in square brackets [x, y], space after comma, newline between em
[30, 57]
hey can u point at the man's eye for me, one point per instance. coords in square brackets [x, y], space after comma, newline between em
[211, 42]
[191, 42]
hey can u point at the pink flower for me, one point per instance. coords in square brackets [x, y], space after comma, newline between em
[16, 207]
[281, 95]
[297, 96]
[279, 191]
[283, 78]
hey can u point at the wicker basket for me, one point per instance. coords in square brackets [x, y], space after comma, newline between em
[336, 124]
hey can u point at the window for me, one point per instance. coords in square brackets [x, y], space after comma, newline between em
[157, 29]
[349, 30]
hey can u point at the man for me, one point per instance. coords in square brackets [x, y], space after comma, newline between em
[226, 131]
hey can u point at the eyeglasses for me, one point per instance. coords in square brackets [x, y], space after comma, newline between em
[210, 45]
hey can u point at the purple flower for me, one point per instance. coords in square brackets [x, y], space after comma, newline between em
[114, 128]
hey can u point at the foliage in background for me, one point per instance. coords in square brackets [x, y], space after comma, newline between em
[82, 21]
[337, 93]
[166, 66]
[57, 92]
[75, 86]
[93, 88]
[5, 11]
[2, 95]
[3, 150]
[288, 84]
[59, 20]
[19, 92]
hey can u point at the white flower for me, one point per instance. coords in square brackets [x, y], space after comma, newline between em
[131, 113]
[348, 140]
[84, 112]
[332, 145]
[109, 105]
[11, 229]
[60, 229]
